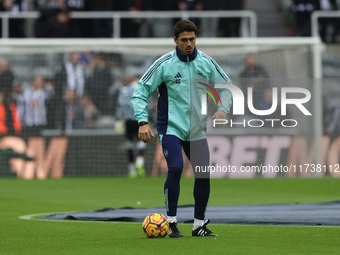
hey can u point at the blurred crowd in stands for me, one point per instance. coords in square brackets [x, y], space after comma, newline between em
[81, 90]
[55, 20]
[299, 12]
[70, 100]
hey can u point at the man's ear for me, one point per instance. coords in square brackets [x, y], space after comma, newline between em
[175, 39]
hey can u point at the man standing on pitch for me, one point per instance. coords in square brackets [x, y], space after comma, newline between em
[182, 77]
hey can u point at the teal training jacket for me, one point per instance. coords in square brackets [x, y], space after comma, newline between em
[181, 80]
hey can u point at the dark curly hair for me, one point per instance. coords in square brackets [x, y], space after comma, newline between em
[184, 25]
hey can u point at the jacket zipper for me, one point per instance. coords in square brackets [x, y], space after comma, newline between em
[188, 64]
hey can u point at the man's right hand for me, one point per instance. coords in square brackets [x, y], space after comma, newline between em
[144, 133]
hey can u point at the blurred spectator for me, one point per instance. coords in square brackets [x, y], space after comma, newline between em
[256, 77]
[74, 111]
[35, 97]
[122, 5]
[6, 78]
[230, 27]
[16, 26]
[209, 26]
[75, 75]
[79, 26]
[125, 112]
[99, 83]
[85, 58]
[163, 27]
[189, 5]
[50, 105]
[18, 97]
[10, 123]
[328, 26]
[10, 119]
[137, 27]
[55, 21]
[72, 116]
[70, 75]
[302, 10]
[124, 108]
[331, 118]
[101, 27]
[90, 111]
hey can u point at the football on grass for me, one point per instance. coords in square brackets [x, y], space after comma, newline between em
[155, 225]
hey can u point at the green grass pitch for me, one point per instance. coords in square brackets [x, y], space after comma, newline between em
[22, 197]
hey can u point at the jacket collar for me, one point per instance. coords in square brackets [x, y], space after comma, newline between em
[183, 57]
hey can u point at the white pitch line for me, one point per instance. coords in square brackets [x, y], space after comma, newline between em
[32, 217]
